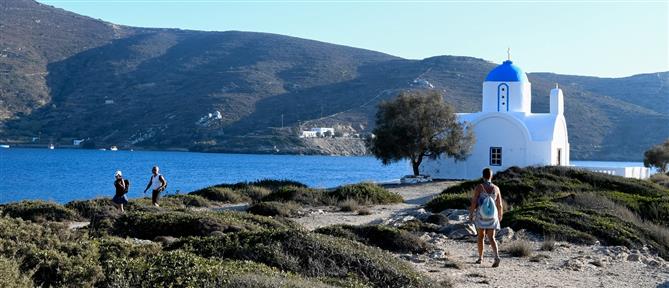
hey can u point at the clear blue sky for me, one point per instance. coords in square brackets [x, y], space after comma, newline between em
[596, 38]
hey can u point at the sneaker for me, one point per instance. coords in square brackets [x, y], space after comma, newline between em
[496, 263]
[478, 261]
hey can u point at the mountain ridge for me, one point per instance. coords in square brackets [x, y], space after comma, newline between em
[163, 83]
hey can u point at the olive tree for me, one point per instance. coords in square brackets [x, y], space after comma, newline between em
[418, 124]
[657, 156]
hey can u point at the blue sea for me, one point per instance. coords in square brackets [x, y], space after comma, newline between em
[63, 175]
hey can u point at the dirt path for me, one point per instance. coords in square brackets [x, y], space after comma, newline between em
[567, 266]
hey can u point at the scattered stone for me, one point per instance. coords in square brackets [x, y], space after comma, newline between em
[166, 240]
[634, 257]
[597, 262]
[438, 255]
[453, 264]
[540, 258]
[411, 179]
[457, 215]
[418, 259]
[575, 264]
[421, 214]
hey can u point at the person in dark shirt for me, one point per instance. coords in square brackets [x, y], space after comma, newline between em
[121, 186]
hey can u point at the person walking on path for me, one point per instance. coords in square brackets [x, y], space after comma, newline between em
[121, 186]
[486, 211]
[157, 183]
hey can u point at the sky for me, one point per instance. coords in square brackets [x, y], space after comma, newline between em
[593, 38]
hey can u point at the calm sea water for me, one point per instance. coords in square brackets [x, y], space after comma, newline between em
[63, 175]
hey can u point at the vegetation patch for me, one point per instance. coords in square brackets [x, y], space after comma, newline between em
[519, 248]
[11, 275]
[272, 208]
[366, 193]
[309, 254]
[297, 194]
[88, 208]
[221, 194]
[444, 201]
[38, 211]
[384, 237]
[149, 225]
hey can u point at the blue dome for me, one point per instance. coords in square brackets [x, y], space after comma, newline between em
[507, 72]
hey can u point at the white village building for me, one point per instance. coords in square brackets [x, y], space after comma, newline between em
[507, 132]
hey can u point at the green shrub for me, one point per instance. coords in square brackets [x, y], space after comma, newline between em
[11, 276]
[180, 269]
[302, 195]
[51, 253]
[87, 208]
[272, 208]
[220, 194]
[255, 193]
[446, 201]
[149, 225]
[38, 211]
[309, 254]
[384, 237]
[189, 200]
[660, 179]
[366, 193]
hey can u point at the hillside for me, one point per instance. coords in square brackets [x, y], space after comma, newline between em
[159, 84]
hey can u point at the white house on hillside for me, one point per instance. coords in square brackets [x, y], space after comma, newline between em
[507, 132]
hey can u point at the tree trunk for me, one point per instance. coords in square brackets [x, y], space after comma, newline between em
[415, 163]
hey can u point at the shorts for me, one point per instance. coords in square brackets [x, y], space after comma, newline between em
[120, 199]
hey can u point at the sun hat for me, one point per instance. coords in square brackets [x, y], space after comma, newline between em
[118, 173]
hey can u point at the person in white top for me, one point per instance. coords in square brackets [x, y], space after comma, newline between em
[157, 183]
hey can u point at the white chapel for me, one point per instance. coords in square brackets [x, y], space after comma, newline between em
[507, 132]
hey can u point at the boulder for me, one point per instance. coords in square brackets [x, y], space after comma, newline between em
[504, 234]
[457, 215]
[458, 231]
[634, 257]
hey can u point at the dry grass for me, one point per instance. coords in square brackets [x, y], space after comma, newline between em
[548, 244]
[519, 248]
[364, 211]
[349, 205]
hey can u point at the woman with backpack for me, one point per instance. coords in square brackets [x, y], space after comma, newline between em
[486, 212]
[121, 185]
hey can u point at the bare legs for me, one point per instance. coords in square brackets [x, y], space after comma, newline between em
[490, 234]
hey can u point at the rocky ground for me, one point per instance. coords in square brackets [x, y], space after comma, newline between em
[568, 265]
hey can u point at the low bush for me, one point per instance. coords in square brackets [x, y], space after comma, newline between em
[149, 225]
[182, 269]
[437, 219]
[38, 211]
[449, 201]
[366, 193]
[272, 208]
[416, 225]
[309, 254]
[255, 193]
[548, 244]
[348, 205]
[384, 237]
[519, 248]
[220, 194]
[660, 179]
[51, 253]
[188, 200]
[11, 276]
[87, 208]
[302, 195]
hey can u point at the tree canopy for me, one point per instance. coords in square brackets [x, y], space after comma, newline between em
[418, 124]
[657, 156]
